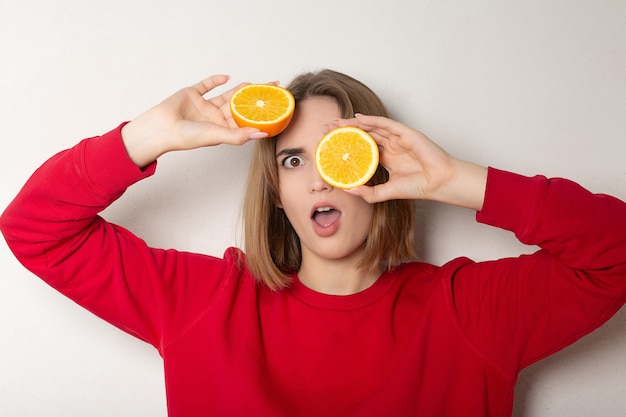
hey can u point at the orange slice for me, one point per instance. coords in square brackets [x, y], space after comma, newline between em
[346, 157]
[266, 107]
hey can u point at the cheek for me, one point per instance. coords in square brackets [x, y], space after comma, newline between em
[283, 192]
[282, 195]
[366, 224]
[365, 211]
[363, 214]
[291, 184]
[288, 198]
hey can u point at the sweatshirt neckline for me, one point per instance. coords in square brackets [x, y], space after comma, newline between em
[341, 302]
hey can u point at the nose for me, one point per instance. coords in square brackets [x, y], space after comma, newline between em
[317, 184]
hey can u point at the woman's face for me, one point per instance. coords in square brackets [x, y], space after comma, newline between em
[331, 224]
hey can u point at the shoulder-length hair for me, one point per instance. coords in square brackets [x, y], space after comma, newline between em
[271, 245]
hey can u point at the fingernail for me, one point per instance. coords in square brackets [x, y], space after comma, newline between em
[257, 135]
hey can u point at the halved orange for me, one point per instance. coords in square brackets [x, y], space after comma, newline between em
[346, 157]
[266, 107]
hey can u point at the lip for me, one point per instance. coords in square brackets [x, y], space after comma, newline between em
[322, 204]
[325, 230]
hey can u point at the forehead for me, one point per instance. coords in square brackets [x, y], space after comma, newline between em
[310, 122]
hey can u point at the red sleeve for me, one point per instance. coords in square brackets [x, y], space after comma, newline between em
[53, 228]
[519, 310]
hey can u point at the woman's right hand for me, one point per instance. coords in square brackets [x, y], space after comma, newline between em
[185, 120]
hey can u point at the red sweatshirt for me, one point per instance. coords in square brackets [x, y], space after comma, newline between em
[423, 340]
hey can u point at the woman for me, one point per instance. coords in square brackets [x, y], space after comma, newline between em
[322, 316]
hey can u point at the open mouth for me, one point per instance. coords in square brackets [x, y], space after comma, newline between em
[325, 216]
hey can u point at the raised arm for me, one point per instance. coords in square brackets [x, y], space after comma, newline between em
[186, 120]
[520, 309]
[53, 227]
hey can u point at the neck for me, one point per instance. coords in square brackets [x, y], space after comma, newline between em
[335, 277]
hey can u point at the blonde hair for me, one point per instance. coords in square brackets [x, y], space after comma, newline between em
[272, 246]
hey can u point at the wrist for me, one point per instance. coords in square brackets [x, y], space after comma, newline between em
[141, 143]
[465, 187]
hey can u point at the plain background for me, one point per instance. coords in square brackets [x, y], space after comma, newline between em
[537, 86]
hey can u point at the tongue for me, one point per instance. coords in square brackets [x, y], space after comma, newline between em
[326, 218]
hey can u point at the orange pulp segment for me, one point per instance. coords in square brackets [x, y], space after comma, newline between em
[266, 107]
[346, 157]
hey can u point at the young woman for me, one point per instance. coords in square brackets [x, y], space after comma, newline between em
[323, 315]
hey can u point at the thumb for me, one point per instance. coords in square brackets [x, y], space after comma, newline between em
[372, 194]
[208, 134]
[236, 136]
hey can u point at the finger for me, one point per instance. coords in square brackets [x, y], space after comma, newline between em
[222, 102]
[383, 137]
[371, 194]
[373, 130]
[224, 108]
[370, 123]
[238, 136]
[207, 134]
[380, 136]
[226, 95]
[210, 83]
[224, 98]
[377, 121]
[383, 124]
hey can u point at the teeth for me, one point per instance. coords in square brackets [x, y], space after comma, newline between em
[322, 209]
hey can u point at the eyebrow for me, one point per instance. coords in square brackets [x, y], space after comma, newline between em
[290, 151]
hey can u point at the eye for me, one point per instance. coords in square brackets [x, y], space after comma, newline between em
[292, 161]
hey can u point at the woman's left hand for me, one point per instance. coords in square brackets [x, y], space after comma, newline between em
[418, 168]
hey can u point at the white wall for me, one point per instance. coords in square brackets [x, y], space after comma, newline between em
[536, 87]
